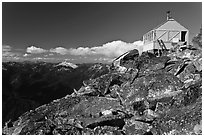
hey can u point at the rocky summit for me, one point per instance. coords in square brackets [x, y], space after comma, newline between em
[141, 95]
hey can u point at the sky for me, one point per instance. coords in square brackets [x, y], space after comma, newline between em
[85, 32]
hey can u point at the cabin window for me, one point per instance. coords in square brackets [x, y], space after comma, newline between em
[152, 35]
[148, 37]
[183, 35]
[155, 35]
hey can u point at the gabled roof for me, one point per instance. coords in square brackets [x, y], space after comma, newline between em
[160, 25]
[170, 24]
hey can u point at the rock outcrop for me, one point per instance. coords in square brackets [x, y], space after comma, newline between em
[143, 94]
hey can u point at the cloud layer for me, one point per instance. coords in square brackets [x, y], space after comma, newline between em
[8, 53]
[104, 53]
[35, 50]
[111, 49]
[59, 50]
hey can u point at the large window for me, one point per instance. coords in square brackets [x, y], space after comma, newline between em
[149, 36]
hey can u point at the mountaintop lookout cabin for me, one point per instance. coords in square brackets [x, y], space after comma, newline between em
[165, 36]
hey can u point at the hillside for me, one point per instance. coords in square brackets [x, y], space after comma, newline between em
[27, 85]
[140, 95]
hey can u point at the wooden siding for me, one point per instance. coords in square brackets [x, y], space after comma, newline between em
[169, 32]
[148, 46]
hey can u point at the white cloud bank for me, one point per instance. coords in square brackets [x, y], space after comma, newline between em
[6, 48]
[35, 50]
[115, 48]
[59, 50]
[26, 55]
[111, 49]
[7, 52]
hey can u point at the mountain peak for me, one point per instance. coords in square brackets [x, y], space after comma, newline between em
[67, 64]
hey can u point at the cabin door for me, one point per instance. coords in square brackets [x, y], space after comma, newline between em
[183, 36]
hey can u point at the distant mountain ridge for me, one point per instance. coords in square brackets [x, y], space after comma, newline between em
[27, 85]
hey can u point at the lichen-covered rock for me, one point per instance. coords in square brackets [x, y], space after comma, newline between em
[181, 113]
[107, 130]
[151, 87]
[198, 64]
[135, 127]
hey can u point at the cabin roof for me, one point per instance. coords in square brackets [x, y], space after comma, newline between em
[170, 24]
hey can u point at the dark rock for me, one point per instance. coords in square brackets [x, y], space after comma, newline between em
[179, 120]
[128, 60]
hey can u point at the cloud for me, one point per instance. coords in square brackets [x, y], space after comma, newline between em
[115, 48]
[59, 50]
[26, 55]
[111, 49]
[102, 53]
[103, 59]
[6, 48]
[8, 53]
[81, 51]
[46, 59]
[35, 50]
[51, 54]
[38, 58]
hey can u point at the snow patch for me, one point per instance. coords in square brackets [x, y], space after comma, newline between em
[67, 64]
